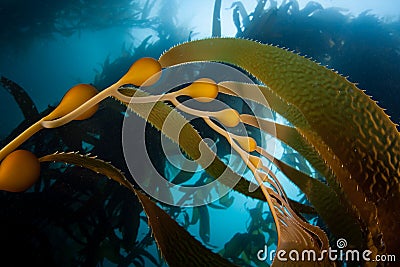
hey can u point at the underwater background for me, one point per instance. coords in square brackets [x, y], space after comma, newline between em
[71, 217]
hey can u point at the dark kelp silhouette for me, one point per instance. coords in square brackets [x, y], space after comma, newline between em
[23, 23]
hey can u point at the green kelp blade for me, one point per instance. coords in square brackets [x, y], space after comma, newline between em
[352, 134]
[327, 204]
[331, 205]
[347, 120]
[177, 246]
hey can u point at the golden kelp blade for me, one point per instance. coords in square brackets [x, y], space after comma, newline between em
[347, 127]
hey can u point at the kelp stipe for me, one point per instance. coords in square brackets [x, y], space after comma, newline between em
[71, 101]
[81, 101]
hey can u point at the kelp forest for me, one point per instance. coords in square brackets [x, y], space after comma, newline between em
[86, 209]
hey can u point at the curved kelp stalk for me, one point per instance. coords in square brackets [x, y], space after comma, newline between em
[353, 137]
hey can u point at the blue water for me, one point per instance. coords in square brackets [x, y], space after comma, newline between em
[47, 63]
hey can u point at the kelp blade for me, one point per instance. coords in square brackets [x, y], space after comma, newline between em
[177, 246]
[347, 126]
